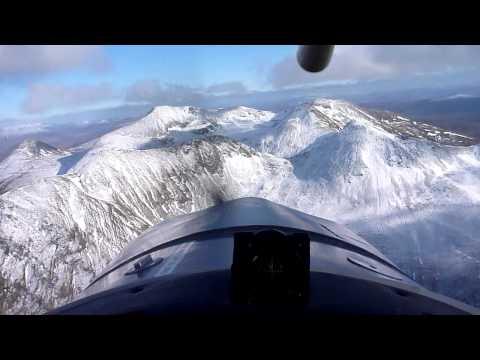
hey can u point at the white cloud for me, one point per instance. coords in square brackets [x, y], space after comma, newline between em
[153, 92]
[27, 61]
[227, 88]
[44, 97]
[359, 62]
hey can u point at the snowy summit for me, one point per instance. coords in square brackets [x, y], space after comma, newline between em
[410, 188]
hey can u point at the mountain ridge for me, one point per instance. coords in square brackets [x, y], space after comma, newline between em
[380, 174]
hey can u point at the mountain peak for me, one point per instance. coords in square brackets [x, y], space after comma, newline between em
[324, 102]
[377, 171]
[163, 110]
[36, 148]
[327, 101]
[245, 112]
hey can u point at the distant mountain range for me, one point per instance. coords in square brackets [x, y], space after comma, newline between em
[458, 112]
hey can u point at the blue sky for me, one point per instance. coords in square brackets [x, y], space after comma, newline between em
[45, 80]
[194, 66]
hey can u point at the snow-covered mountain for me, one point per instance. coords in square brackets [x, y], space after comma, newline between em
[31, 160]
[412, 189]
